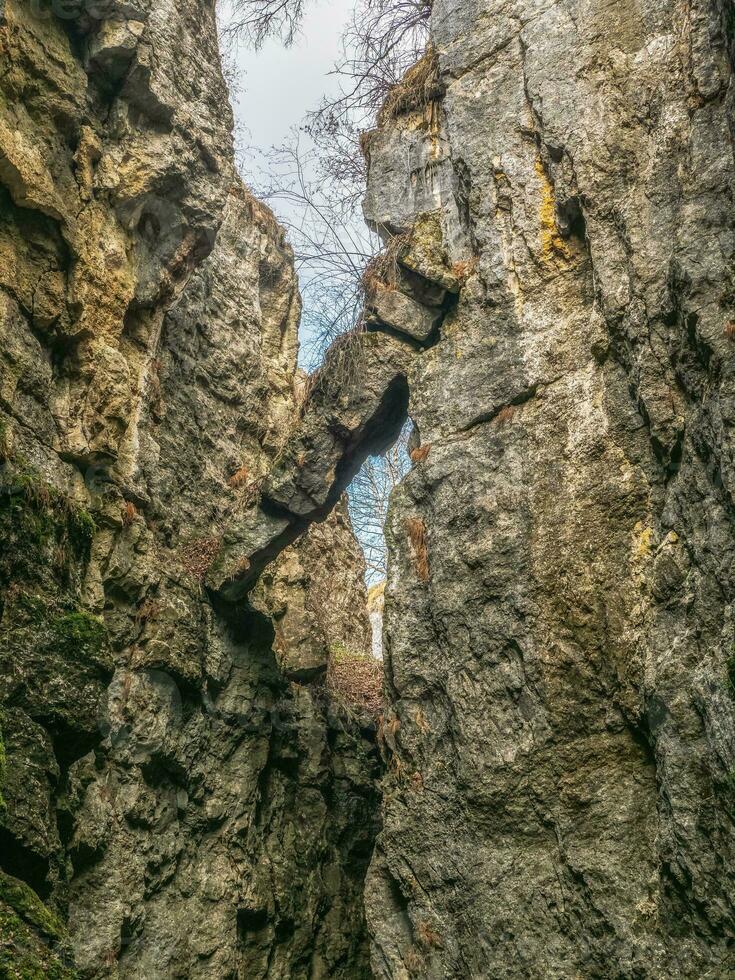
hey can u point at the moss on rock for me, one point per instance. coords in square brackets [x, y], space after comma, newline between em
[2, 766]
[47, 537]
[79, 634]
[33, 942]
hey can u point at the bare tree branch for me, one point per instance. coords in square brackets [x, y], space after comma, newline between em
[316, 183]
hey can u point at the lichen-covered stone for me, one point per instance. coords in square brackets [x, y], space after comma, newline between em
[170, 793]
[315, 594]
[394, 309]
[557, 637]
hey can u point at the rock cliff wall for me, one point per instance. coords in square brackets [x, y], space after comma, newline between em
[558, 639]
[177, 801]
[182, 794]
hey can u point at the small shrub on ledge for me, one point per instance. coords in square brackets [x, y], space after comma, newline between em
[355, 679]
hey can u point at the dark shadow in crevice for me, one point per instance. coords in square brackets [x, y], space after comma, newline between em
[24, 864]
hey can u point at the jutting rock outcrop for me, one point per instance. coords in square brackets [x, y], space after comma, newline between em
[559, 635]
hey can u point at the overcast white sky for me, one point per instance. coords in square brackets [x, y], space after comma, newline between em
[280, 85]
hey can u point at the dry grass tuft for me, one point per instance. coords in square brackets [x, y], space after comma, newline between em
[427, 935]
[394, 726]
[365, 137]
[419, 454]
[729, 330]
[382, 269]
[239, 478]
[414, 962]
[416, 530]
[198, 555]
[418, 87]
[342, 369]
[463, 270]
[242, 567]
[129, 513]
[421, 722]
[356, 679]
[149, 609]
[505, 415]
[249, 491]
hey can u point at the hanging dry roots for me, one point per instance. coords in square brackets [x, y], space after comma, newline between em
[418, 87]
[416, 530]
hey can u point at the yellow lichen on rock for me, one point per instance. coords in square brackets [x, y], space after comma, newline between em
[552, 244]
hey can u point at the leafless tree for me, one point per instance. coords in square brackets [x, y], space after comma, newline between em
[382, 39]
[254, 21]
[332, 245]
[316, 183]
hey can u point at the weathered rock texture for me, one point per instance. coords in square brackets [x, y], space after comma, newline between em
[556, 311]
[170, 792]
[559, 626]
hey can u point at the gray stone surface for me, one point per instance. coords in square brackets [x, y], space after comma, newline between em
[558, 632]
[393, 308]
[185, 806]
[176, 780]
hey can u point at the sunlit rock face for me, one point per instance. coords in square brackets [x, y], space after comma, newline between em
[376, 610]
[558, 630]
[179, 797]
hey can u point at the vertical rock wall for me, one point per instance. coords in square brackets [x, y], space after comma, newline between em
[174, 803]
[559, 634]
[179, 794]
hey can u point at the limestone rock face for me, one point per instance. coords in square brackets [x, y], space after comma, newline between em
[173, 802]
[316, 596]
[558, 609]
[181, 791]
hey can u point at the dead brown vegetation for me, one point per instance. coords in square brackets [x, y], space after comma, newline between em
[382, 269]
[414, 962]
[356, 679]
[428, 935]
[239, 478]
[416, 531]
[419, 454]
[342, 368]
[505, 415]
[729, 330]
[197, 556]
[464, 269]
[418, 87]
[149, 609]
[241, 568]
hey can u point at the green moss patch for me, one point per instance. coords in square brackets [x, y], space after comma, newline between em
[730, 665]
[46, 537]
[79, 635]
[55, 659]
[33, 942]
[3, 765]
